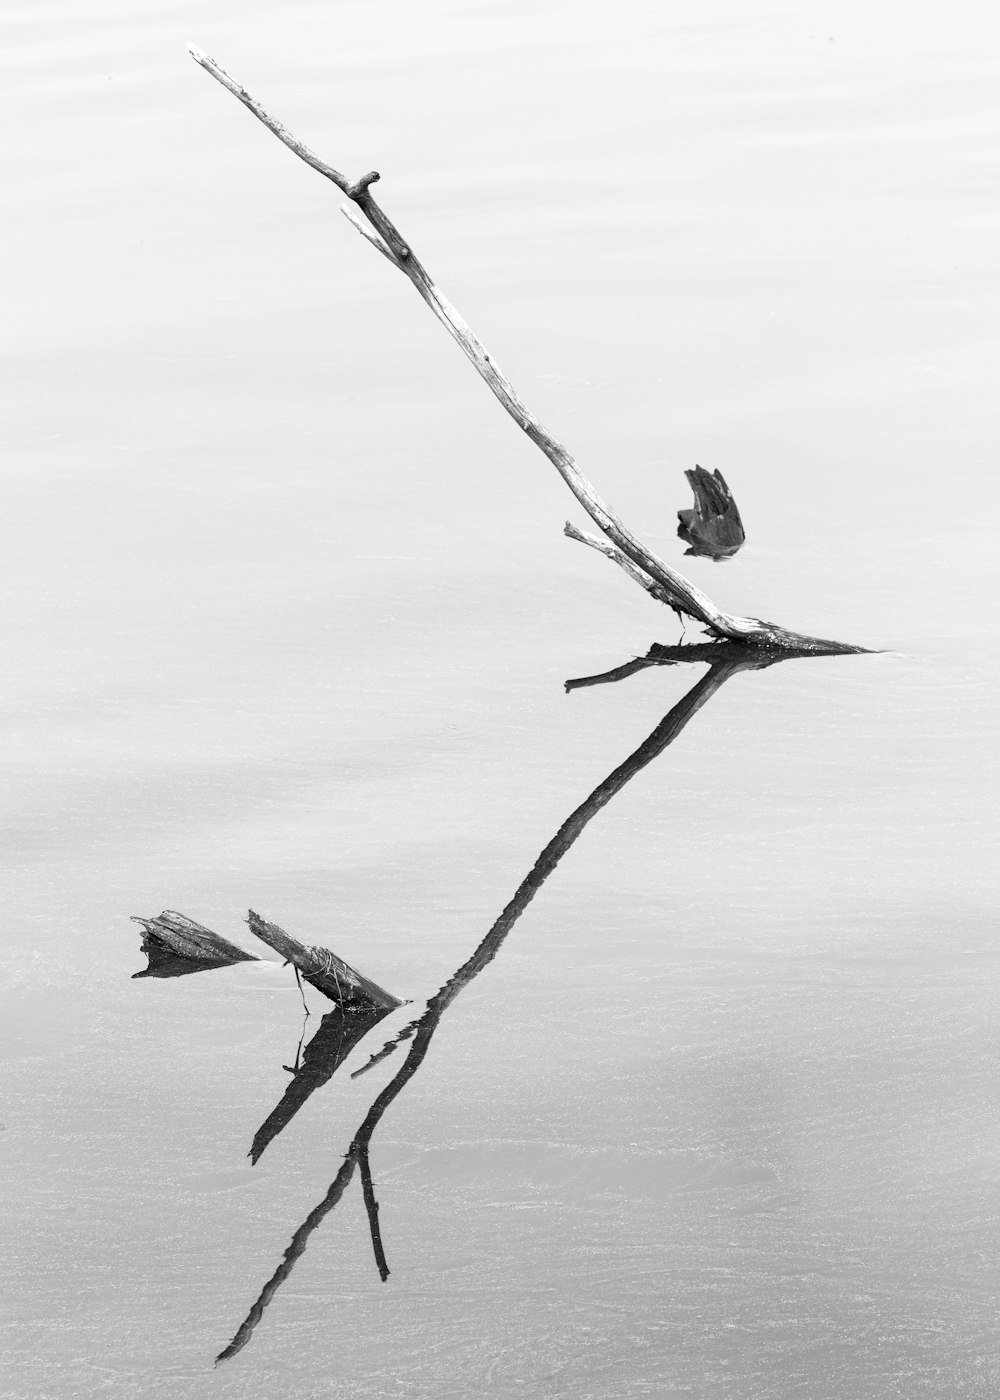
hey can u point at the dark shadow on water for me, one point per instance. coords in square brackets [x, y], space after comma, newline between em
[339, 1031]
[724, 661]
[163, 963]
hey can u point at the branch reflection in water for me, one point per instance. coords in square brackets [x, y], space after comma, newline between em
[725, 660]
[339, 1031]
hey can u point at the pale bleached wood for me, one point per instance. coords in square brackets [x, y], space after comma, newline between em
[612, 552]
[370, 234]
[682, 594]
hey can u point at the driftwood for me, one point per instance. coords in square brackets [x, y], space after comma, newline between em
[176, 945]
[327, 973]
[655, 576]
[713, 528]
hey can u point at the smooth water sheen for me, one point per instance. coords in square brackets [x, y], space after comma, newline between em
[286, 616]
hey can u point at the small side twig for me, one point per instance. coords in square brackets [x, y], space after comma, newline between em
[302, 990]
[620, 673]
[370, 234]
[387, 1049]
[610, 551]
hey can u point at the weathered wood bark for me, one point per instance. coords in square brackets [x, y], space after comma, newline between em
[327, 973]
[668, 584]
[176, 944]
[712, 527]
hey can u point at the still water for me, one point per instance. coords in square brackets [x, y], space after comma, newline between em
[287, 616]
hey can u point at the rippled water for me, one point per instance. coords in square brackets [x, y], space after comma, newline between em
[286, 617]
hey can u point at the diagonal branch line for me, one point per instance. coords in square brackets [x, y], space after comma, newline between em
[678, 591]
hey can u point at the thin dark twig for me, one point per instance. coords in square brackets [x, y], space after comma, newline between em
[302, 990]
[294, 1069]
[371, 1206]
[387, 1049]
[620, 673]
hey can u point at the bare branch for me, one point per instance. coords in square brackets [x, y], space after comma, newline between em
[684, 596]
[272, 124]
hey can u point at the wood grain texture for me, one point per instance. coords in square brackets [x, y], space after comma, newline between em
[177, 934]
[327, 973]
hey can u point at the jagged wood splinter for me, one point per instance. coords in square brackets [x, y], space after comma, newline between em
[174, 936]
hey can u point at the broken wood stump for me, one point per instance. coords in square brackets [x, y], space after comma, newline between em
[327, 973]
[176, 945]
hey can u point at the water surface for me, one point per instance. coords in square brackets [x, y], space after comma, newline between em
[287, 616]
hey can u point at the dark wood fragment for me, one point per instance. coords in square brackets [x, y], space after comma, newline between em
[713, 528]
[175, 945]
[327, 973]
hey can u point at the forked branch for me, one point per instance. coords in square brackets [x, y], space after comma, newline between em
[657, 577]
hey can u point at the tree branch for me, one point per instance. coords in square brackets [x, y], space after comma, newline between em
[683, 594]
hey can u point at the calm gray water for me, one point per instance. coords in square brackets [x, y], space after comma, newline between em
[286, 617]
